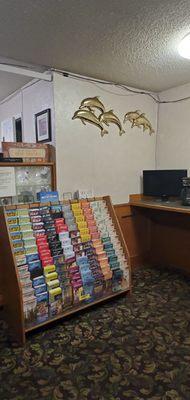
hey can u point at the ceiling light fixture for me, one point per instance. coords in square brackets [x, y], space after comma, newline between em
[184, 47]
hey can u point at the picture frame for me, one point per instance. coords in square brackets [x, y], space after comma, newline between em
[43, 126]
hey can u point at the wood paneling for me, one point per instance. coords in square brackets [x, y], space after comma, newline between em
[170, 240]
[163, 231]
[135, 226]
[1, 297]
[1, 279]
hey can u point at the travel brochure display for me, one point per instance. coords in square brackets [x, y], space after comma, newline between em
[67, 255]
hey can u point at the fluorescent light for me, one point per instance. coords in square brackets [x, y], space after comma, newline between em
[184, 47]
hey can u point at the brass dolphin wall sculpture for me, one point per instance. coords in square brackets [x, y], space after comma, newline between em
[91, 103]
[144, 122]
[109, 117]
[88, 116]
[131, 116]
[86, 113]
[138, 119]
[93, 111]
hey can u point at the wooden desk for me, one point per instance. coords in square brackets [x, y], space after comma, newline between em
[158, 233]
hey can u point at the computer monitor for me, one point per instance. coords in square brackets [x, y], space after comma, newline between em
[163, 183]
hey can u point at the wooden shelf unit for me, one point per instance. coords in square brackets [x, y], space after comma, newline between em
[12, 293]
[35, 164]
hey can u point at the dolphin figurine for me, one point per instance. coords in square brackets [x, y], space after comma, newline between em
[88, 116]
[109, 117]
[131, 116]
[142, 120]
[91, 103]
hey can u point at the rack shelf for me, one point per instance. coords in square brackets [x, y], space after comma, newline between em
[75, 309]
[26, 164]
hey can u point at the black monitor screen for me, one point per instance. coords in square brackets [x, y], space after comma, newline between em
[161, 183]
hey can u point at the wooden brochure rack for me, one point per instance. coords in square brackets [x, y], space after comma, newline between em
[12, 290]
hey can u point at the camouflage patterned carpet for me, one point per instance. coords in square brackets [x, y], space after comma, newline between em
[131, 348]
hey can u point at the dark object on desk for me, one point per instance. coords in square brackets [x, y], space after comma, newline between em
[185, 193]
[9, 159]
[163, 183]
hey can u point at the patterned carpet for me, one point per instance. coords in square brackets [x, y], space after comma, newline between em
[132, 348]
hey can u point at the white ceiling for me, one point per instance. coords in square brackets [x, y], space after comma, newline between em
[125, 41]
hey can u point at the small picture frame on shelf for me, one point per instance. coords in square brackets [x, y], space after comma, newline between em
[43, 126]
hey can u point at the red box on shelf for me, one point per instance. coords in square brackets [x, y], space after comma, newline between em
[61, 228]
[44, 253]
[40, 234]
[41, 240]
[47, 261]
[44, 246]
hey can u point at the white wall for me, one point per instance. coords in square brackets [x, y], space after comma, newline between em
[109, 165]
[12, 107]
[37, 98]
[26, 103]
[173, 139]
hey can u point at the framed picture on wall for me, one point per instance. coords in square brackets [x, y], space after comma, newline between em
[43, 126]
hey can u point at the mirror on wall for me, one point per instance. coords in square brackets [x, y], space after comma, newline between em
[11, 129]
[18, 129]
[26, 106]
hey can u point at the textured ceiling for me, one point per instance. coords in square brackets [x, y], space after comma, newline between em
[127, 41]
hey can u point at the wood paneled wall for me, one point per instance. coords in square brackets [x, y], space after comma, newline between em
[1, 284]
[136, 231]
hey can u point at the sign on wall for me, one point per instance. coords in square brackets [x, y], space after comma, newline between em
[8, 130]
[7, 182]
